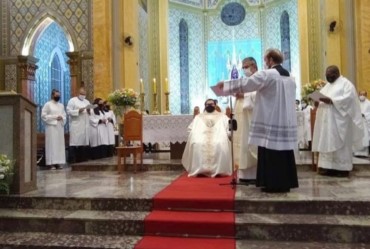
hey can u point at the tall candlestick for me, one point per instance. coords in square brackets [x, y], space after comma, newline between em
[141, 86]
[154, 86]
[166, 85]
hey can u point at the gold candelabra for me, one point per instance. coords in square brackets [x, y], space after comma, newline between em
[155, 110]
[167, 111]
[142, 103]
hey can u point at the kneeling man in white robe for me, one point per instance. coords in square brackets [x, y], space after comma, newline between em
[208, 149]
[338, 125]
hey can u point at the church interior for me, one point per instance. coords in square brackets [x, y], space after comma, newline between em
[170, 52]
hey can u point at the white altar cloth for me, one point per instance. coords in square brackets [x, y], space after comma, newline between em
[166, 128]
[174, 128]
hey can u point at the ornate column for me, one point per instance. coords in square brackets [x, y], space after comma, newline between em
[26, 68]
[362, 33]
[75, 69]
[158, 46]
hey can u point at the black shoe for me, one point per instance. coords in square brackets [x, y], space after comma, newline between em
[341, 173]
[57, 166]
[247, 181]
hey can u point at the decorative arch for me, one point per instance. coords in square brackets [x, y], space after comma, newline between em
[285, 40]
[184, 65]
[38, 25]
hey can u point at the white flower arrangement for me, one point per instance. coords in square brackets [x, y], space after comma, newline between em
[6, 174]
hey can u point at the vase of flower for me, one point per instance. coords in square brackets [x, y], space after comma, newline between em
[6, 174]
[123, 100]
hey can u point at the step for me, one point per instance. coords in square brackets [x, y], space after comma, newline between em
[283, 227]
[34, 240]
[295, 227]
[110, 164]
[76, 203]
[262, 244]
[41, 240]
[72, 221]
[277, 205]
[198, 224]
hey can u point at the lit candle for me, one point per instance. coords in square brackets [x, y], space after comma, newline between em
[166, 85]
[154, 86]
[141, 86]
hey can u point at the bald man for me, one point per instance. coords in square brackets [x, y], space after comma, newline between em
[338, 125]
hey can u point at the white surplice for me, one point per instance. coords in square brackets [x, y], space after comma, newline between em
[307, 126]
[110, 127]
[78, 122]
[338, 126]
[245, 154]
[208, 150]
[365, 110]
[98, 131]
[54, 132]
[274, 121]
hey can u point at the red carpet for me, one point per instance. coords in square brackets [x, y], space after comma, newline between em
[192, 213]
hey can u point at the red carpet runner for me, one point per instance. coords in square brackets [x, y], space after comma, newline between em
[192, 213]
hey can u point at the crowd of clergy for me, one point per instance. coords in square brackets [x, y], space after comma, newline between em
[259, 152]
[92, 129]
[262, 148]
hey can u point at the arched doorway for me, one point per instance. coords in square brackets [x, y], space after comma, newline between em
[49, 43]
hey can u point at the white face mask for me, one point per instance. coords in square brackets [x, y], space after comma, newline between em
[362, 98]
[81, 97]
[247, 72]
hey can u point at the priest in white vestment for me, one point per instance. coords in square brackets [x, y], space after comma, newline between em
[208, 150]
[274, 122]
[338, 125]
[54, 117]
[245, 155]
[306, 109]
[78, 111]
[365, 110]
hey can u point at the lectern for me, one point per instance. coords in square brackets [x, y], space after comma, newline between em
[18, 139]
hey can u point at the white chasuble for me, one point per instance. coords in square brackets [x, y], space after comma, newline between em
[207, 151]
[338, 126]
[54, 132]
[245, 154]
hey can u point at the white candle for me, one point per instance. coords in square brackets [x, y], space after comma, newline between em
[141, 86]
[154, 86]
[166, 85]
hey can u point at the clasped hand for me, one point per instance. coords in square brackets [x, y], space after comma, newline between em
[326, 100]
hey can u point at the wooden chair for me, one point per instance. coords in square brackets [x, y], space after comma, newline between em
[132, 131]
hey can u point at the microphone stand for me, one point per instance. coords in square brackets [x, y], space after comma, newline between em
[233, 182]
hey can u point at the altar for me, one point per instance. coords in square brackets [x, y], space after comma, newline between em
[172, 131]
[168, 131]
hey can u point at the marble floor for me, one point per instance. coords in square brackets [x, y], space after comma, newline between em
[145, 184]
[319, 202]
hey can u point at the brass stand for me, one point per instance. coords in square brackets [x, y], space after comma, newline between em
[155, 110]
[142, 103]
[167, 111]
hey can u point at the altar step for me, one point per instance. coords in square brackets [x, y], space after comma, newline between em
[249, 226]
[110, 164]
[34, 240]
[262, 206]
